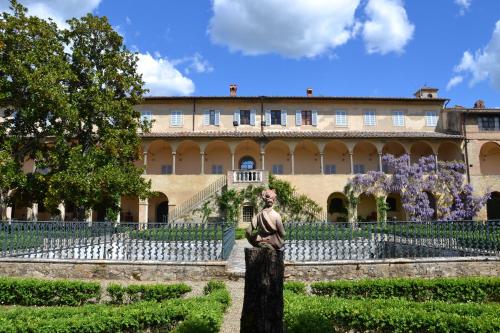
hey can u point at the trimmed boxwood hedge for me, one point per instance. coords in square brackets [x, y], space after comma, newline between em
[137, 292]
[200, 314]
[16, 291]
[318, 314]
[295, 287]
[473, 289]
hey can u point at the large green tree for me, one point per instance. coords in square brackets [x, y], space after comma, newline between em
[72, 93]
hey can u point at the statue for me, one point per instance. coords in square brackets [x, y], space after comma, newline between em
[266, 229]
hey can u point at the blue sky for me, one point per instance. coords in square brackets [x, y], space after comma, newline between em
[281, 47]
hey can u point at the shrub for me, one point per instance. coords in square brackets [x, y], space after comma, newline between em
[16, 291]
[295, 287]
[135, 293]
[194, 315]
[480, 289]
[213, 285]
[328, 314]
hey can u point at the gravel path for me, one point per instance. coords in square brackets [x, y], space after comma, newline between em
[231, 323]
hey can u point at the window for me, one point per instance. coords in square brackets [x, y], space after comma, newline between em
[278, 169]
[275, 117]
[330, 169]
[211, 117]
[489, 123]
[341, 118]
[244, 117]
[359, 168]
[306, 117]
[247, 214]
[431, 118]
[398, 118]
[370, 118]
[176, 118]
[247, 163]
[146, 116]
[166, 169]
[217, 169]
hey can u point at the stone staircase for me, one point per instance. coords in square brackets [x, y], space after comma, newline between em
[196, 200]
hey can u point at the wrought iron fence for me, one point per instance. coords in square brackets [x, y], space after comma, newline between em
[111, 241]
[371, 240]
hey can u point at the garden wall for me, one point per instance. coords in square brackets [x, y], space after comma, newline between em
[311, 271]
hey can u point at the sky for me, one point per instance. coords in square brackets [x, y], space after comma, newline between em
[281, 47]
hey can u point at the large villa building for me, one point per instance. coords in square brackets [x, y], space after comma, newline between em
[199, 145]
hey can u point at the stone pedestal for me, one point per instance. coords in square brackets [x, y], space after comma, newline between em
[263, 301]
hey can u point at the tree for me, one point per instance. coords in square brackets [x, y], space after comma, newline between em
[414, 182]
[68, 98]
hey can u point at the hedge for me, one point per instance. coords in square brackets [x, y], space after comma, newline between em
[16, 291]
[479, 289]
[318, 314]
[155, 292]
[295, 287]
[200, 314]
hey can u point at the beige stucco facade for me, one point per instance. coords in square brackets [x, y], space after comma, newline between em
[199, 144]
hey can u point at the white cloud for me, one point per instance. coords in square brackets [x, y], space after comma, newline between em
[128, 20]
[162, 78]
[456, 80]
[464, 5]
[195, 63]
[388, 28]
[484, 63]
[292, 28]
[58, 10]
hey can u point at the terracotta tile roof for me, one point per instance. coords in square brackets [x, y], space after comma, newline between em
[301, 98]
[302, 134]
[472, 110]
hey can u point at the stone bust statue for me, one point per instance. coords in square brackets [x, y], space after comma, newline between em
[266, 229]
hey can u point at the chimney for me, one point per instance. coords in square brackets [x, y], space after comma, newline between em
[233, 88]
[309, 92]
[479, 104]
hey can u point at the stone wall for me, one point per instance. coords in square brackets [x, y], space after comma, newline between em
[311, 271]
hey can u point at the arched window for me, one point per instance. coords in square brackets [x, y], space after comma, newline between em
[247, 163]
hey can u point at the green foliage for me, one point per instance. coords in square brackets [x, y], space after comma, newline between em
[329, 314]
[193, 315]
[240, 233]
[295, 287]
[135, 293]
[15, 291]
[480, 289]
[71, 113]
[382, 208]
[213, 285]
[291, 206]
[178, 233]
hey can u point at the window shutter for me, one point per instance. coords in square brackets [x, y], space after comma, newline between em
[283, 117]
[252, 117]
[236, 117]
[298, 117]
[314, 116]
[268, 117]
[217, 117]
[206, 117]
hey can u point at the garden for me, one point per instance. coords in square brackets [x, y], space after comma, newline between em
[31, 305]
[394, 305]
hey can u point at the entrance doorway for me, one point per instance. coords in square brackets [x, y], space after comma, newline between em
[162, 212]
[493, 206]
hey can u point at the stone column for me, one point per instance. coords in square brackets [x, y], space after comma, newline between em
[143, 213]
[88, 216]
[292, 158]
[436, 160]
[118, 217]
[8, 213]
[145, 160]
[262, 154]
[35, 212]
[232, 161]
[322, 164]
[352, 163]
[173, 162]
[202, 156]
[62, 211]
[380, 161]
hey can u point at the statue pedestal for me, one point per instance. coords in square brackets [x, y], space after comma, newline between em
[263, 301]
